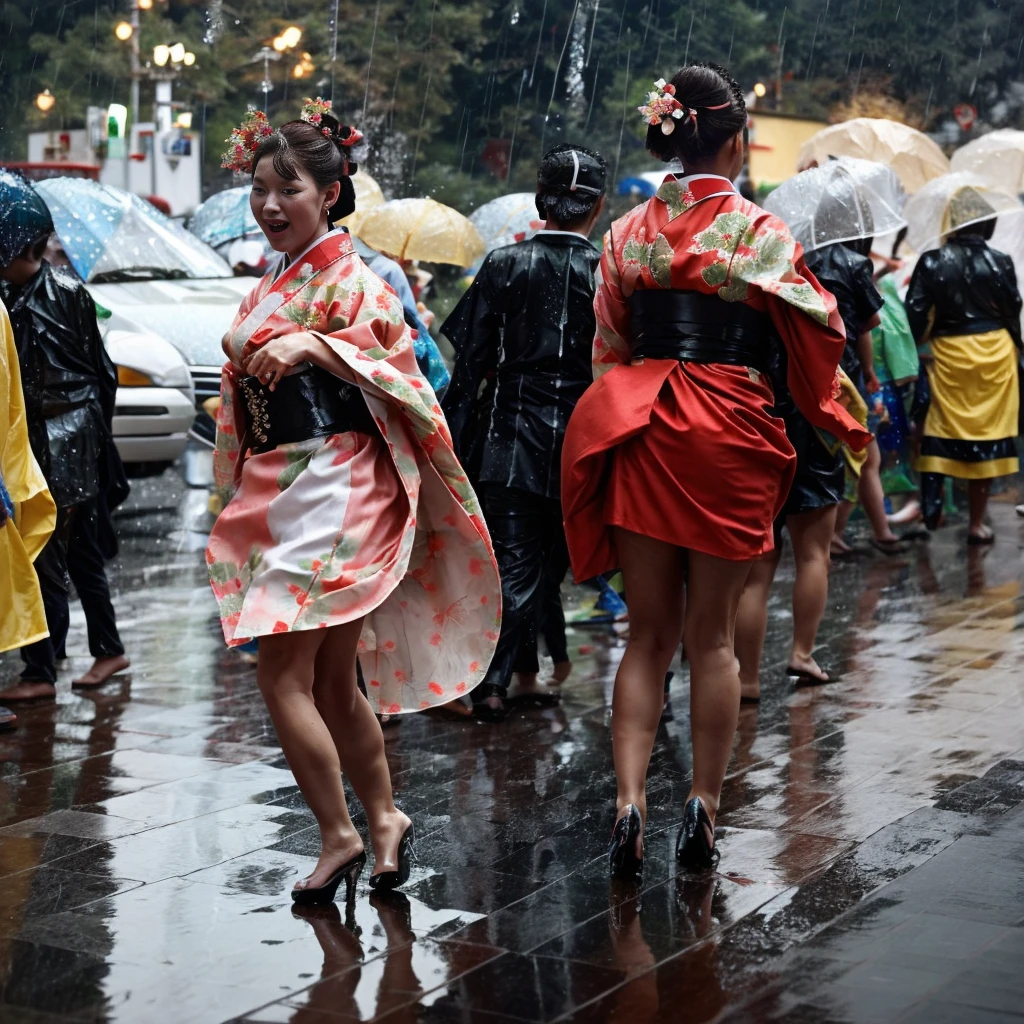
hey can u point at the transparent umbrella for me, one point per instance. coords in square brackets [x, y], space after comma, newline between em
[224, 217]
[998, 157]
[951, 202]
[843, 200]
[910, 153]
[113, 235]
[421, 229]
[507, 219]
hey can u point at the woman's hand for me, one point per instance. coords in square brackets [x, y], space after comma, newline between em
[270, 362]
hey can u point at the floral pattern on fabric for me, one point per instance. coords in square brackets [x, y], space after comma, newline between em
[676, 198]
[385, 527]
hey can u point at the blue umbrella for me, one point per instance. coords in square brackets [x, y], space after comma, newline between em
[636, 186]
[24, 217]
[106, 231]
[224, 217]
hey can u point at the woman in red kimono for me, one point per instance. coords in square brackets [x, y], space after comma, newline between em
[674, 467]
[350, 530]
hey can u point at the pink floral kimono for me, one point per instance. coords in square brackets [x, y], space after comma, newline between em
[321, 532]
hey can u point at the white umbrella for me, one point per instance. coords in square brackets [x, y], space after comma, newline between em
[507, 219]
[951, 202]
[843, 200]
[998, 157]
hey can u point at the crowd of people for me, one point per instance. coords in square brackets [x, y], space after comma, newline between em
[392, 549]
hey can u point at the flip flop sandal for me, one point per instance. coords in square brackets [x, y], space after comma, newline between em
[890, 547]
[746, 699]
[973, 538]
[802, 678]
[534, 699]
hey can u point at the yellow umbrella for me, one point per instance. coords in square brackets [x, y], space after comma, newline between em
[998, 157]
[368, 195]
[914, 157]
[421, 229]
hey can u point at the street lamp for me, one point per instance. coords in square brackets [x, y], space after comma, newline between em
[161, 54]
[177, 53]
[45, 101]
[123, 31]
[760, 90]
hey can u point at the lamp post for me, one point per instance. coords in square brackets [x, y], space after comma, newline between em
[287, 40]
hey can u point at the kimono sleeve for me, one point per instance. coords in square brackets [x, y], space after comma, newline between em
[611, 343]
[474, 329]
[814, 349]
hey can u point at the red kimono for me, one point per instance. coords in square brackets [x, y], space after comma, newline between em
[689, 453]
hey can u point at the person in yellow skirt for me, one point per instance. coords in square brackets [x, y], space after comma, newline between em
[27, 513]
[963, 303]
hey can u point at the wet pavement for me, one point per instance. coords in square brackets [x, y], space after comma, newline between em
[872, 831]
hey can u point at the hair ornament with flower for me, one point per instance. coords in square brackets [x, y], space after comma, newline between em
[663, 108]
[313, 113]
[244, 140]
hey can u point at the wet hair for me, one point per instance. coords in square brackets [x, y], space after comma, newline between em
[33, 252]
[702, 131]
[980, 229]
[569, 209]
[298, 144]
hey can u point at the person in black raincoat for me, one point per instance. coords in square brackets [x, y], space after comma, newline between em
[526, 327]
[964, 302]
[69, 384]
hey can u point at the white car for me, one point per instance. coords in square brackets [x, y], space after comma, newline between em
[155, 405]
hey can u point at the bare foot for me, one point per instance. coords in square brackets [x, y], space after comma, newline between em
[102, 669]
[910, 513]
[562, 671]
[332, 856]
[385, 839]
[839, 547]
[451, 709]
[30, 689]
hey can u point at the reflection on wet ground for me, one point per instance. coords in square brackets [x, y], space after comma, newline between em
[872, 831]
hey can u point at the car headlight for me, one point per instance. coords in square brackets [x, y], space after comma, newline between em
[129, 378]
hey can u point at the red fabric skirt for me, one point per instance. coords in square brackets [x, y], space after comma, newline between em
[687, 453]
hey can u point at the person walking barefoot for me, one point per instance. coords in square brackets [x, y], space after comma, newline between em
[672, 464]
[349, 529]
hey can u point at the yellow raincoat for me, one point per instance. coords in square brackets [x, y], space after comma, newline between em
[22, 619]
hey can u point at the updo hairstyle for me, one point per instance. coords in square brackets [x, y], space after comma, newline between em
[298, 144]
[701, 132]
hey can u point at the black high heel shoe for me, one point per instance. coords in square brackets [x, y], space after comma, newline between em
[406, 855]
[693, 851]
[350, 871]
[623, 863]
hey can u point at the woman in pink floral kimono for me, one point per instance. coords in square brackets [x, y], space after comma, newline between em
[351, 528]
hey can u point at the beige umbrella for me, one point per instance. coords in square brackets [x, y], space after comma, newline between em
[368, 196]
[998, 157]
[420, 229]
[910, 153]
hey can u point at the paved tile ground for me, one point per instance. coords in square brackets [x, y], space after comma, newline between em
[872, 831]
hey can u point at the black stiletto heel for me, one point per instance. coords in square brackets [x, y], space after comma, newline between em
[623, 863]
[693, 851]
[406, 855]
[349, 871]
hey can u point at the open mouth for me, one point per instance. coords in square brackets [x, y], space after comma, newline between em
[275, 227]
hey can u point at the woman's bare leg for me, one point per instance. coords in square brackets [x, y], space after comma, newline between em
[872, 497]
[752, 622]
[359, 741]
[839, 545]
[653, 572]
[715, 586]
[977, 502]
[284, 672]
[811, 533]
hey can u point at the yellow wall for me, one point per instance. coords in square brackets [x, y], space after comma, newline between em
[775, 141]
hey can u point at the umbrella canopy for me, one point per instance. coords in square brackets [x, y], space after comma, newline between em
[637, 187]
[224, 217]
[951, 202]
[507, 219]
[112, 234]
[998, 157]
[910, 153]
[368, 196]
[840, 201]
[421, 229]
[24, 217]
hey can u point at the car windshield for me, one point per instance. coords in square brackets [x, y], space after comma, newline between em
[111, 235]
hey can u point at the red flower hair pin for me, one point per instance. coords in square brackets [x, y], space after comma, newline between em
[663, 108]
[244, 140]
[313, 113]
